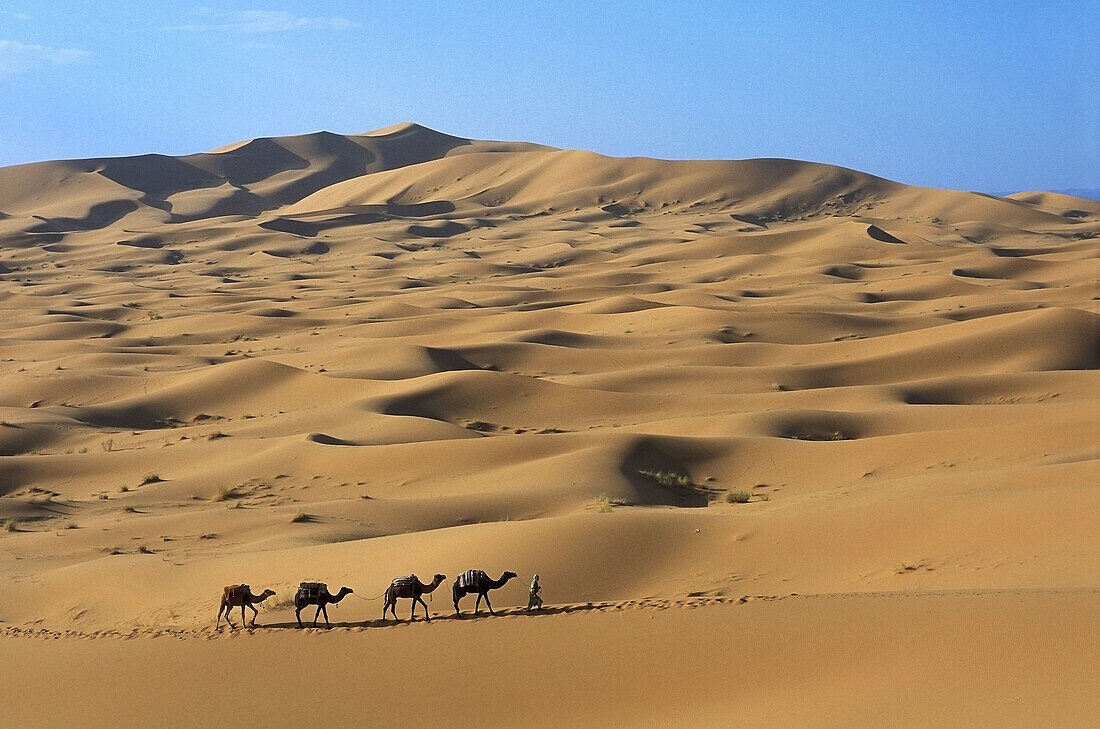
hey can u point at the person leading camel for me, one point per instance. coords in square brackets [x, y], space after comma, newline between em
[409, 587]
[477, 581]
[240, 596]
[316, 593]
[534, 601]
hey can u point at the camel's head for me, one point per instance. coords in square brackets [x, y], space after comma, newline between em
[346, 591]
[439, 579]
[509, 575]
[266, 594]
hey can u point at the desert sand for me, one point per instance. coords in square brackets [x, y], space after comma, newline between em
[788, 443]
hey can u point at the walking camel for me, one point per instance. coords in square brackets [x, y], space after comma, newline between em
[477, 581]
[409, 587]
[316, 593]
[240, 596]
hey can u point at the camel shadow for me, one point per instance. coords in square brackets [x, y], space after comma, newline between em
[516, 612]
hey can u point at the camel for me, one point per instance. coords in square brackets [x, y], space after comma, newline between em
[409, 587]
[316, 593]
[477, 581]
[240, 596]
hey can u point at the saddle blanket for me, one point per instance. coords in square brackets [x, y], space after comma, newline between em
[237, 591]
[312, 590]
[404, 582]
[469, 578]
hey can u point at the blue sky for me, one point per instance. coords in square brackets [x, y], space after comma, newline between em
[994, 96]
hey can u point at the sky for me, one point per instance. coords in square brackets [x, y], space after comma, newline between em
[991, 96]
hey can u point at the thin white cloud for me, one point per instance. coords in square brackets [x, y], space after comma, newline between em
[13, 14]
[258, 46]
[261, 21]
[16, 57]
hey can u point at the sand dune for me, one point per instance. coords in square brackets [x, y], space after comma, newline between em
[667, 387]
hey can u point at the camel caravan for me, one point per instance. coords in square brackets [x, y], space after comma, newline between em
[406, 587]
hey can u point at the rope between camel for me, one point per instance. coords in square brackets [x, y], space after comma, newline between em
[369, 599]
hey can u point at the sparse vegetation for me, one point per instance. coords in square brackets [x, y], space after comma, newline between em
[604, 503]
[669, 479]
[145, 549]
[11, 525]
[301, 517]
[108, 445]
[216, 435]
[151, 478]
[479, 425]
[828, 436]
[70, 525]
[738, 497]
[225, 493]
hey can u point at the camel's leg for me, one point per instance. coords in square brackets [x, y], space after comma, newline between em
[477, 605]
[244, 623]
[255, 612]
[298, 614]
[489, 604]
[324, 608]
[427, 615]
[412, 615]
[456, 596]
[316, 614]
[221, 607]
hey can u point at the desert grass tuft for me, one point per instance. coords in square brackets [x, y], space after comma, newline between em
[668, 479]
[225, 493]
[605, 504]
[11, 525]
[301, 518]
[738, 497]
